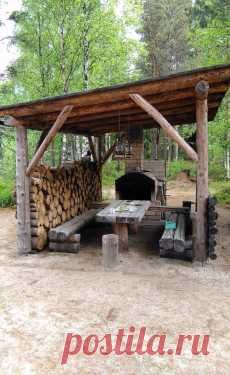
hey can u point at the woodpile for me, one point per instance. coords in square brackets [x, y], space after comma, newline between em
[59, 194]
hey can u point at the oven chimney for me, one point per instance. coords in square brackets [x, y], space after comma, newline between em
[135, 163]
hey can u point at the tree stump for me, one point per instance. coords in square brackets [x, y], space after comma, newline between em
[110, 250]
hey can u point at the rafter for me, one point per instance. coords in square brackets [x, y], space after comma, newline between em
[49, 137]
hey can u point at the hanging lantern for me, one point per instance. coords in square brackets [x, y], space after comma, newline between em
[123, 148]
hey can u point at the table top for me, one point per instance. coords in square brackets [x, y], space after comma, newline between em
[123, 212]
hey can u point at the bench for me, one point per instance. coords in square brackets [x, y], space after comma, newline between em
[61, 237]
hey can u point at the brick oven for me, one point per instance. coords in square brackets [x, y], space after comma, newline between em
[144, 179]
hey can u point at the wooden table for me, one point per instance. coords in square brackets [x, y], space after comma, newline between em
[122, 213]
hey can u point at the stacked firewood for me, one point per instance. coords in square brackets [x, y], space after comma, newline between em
[59, 194]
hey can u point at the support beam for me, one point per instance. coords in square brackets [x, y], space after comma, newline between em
[166, 126]
[11, 121]
[202, 173]
[42, 137]
[108, 153]
[22, 192]
[99, 150]
[92, 148]
[48, 139]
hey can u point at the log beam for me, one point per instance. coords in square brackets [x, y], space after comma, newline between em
[108, 153]
[42, 137]
[201, 90]
[92, 148]
[166, 126]
[11, 121]
[48, 139]
[23, 193]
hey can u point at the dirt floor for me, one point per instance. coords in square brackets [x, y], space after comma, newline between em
[47, 295]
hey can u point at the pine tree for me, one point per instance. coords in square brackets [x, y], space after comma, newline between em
[164, 32]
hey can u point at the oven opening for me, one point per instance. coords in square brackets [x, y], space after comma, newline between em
[135, 186]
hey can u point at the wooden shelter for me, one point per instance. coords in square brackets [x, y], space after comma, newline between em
[178, 99]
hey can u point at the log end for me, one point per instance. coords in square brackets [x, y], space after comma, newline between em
[201, 89]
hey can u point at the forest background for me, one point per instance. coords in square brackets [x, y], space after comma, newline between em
[75, 45]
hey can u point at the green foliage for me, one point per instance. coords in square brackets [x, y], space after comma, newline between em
[6, 193]
[68, 45]
[221, 189]
[164, 29]
[111, 171]
[210, 45]
[217, 171]
[175, 167]
[204, 11]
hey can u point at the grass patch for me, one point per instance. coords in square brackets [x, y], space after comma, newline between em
[6, 193]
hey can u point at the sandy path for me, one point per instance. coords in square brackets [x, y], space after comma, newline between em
[45, 296]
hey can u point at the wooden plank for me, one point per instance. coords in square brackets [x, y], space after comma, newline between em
[101, 129]
[148, 123]
[64, 231]
[48, 139]
[92, 149]
[166, 126]
[135, 117]
[23, 194]
[202, 89]
[179, 236]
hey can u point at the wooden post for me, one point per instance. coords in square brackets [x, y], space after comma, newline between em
[23, 193]
[110, 250]
[166, 126]
[92, 148]
[202, 172]
[99, 158]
